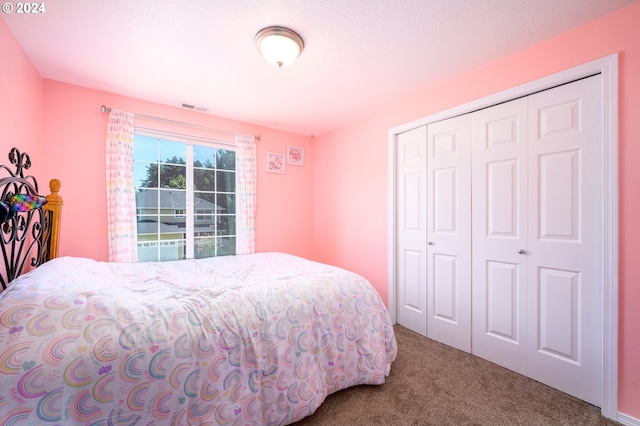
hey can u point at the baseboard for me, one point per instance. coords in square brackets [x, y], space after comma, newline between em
[628, 420]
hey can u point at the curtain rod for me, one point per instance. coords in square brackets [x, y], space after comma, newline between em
[179, 123]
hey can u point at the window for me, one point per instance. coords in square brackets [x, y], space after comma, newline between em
[201, 215]
[185, 198]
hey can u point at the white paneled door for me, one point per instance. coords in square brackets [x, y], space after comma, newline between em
[499, 249]
[565, 279]
[449, 232]
[411, 256]
[537, 226]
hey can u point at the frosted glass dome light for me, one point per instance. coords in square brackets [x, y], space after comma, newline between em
[280, 46]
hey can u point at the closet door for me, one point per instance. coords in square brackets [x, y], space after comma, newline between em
[499, 170]
[411, 254]
[449, 232]
[537, 229]
[565, 233]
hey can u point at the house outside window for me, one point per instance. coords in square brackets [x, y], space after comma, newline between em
[185, 198]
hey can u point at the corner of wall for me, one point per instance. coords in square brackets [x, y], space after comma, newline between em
[21, 103]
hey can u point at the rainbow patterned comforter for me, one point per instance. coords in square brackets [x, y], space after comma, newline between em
[253, 339]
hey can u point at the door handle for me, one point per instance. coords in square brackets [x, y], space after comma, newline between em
[522, 251]
[430, 243]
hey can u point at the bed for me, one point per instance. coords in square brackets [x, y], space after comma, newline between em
[248, 339]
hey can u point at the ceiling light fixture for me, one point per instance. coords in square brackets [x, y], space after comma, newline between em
[280, 46]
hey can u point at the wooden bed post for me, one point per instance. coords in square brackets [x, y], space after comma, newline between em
[54, 204]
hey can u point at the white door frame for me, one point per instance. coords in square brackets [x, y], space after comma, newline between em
[608, 67]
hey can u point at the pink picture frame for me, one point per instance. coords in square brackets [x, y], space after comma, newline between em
[275, 162]
[295, 155]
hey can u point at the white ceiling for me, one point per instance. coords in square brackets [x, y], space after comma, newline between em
[359, 54]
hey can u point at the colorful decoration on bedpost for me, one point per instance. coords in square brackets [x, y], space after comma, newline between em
[20, 203]
[24, 226]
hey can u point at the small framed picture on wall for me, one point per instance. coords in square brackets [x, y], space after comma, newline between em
[295, 155]
[275, 162]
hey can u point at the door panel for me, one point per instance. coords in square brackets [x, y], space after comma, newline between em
[499, 234]
[411, 215]
[449, 232]
[559, 313]
[502, 193]
[502, 301]
[560, 195]
[565, 229]
[444, 294]
[412, 294]
[445, 212]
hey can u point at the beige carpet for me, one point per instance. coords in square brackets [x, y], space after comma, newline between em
[434, 384]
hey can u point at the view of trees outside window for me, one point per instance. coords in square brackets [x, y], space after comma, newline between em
[185, 199]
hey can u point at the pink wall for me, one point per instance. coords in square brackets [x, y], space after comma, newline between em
[74, 145]
[20, 103]
[350, 185]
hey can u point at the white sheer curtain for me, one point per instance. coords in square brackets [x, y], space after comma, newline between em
[246, 182]
[121, 199]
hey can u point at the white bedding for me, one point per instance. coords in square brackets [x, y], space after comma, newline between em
[253, 339]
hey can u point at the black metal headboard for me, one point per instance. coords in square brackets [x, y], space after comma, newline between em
[24, 235]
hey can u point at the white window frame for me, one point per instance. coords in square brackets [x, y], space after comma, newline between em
[189, 142]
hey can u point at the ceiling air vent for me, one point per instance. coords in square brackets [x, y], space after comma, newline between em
[196, 107]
